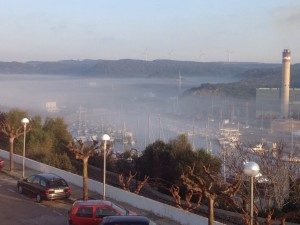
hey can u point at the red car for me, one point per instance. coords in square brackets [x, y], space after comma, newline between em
[1, 164]
[91, 212]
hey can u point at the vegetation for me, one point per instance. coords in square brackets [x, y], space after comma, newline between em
[83, 152]
[128, 67]
[173, 167]
[167, 161]
[276, 190]
[44, 142]
[12, 128]
[238, 90]
[211, 185]
[249, 80]
[126, 165]
[167, 164]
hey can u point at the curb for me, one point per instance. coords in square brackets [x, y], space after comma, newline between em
[11, 174]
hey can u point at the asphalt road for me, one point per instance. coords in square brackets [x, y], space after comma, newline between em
[18, 209]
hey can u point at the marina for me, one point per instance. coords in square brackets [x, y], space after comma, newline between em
[133, 132]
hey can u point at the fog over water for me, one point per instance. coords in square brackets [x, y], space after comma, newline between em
[149, 108]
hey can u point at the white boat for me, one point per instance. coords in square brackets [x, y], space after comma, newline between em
[259, 148]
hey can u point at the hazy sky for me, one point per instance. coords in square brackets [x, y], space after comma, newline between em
[197, 30]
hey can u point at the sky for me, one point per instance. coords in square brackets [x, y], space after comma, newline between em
[186, 30]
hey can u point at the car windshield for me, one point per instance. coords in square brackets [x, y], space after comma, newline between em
[57, 183]
[30, 179]
[118, 208]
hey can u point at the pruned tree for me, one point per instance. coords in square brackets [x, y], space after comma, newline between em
[141, 185]
[166, 163]
[188, 206]
[288, 215]
[125, 183]
[84, 152]
[211, 185]
[11, 127]
[276, 187]
[127, 165]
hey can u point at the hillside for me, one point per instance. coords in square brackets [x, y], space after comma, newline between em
[249, 81]
[249, 75]
[130, 68]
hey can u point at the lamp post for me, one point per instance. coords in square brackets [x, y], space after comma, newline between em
[24, 121]
[105, 138]
[251, 169]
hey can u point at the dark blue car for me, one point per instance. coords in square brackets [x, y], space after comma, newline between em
[126, 220]
[44, 186]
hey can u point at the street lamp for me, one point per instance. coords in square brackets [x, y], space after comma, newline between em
[251, 169]
[105, 138]
[24, 121]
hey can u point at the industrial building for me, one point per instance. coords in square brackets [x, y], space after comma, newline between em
[280, 105]
[268, 103]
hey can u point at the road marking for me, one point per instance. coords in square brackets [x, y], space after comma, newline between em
[58, 213]
[7, 180]
[41, 205]
[13, 191]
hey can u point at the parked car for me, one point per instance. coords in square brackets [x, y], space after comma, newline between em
[91, 212]
[1, 164]
[126, 220]
[44, 186]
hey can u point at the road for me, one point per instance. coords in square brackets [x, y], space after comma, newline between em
[17, 209]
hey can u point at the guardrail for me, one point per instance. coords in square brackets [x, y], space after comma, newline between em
[158, 208]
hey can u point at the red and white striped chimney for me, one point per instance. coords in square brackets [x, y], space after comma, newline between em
[285, 86]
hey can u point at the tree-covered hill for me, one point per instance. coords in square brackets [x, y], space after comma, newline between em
[249, 75]
[249, 81]
[130, 68]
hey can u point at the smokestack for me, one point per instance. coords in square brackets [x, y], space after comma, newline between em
[285, 88]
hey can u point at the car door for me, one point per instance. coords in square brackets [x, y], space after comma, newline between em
[85, 215]
[102, 211]
[27, 184]
[36, 187]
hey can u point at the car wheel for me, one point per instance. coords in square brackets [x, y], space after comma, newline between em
[38, 198]
[20, 189]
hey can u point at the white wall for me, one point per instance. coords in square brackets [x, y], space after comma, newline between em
[160, 209]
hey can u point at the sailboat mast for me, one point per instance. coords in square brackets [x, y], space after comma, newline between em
[159, 122]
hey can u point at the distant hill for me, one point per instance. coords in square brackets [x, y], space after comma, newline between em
[251, 79]
[251, 75]
[131, 68]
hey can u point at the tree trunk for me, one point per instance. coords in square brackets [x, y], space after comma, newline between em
[211, 211]
[85, 178]
[11, 154]
[269, 217]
